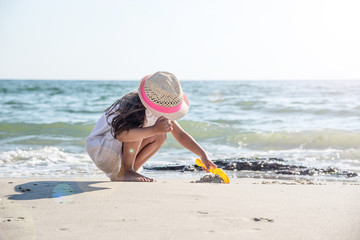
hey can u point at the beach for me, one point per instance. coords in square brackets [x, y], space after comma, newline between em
[38, 208]
[266, 91]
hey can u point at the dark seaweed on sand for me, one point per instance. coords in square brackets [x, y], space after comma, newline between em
[274, 165]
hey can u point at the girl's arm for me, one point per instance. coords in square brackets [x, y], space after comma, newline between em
[189, 142]
[162, 125]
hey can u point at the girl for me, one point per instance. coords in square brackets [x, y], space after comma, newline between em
[133, 128]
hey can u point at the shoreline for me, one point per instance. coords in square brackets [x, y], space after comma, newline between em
[189, 176]
[37, 208]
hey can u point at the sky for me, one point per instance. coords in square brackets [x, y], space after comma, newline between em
[194, 39]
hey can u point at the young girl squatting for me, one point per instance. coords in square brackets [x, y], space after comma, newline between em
[133, 128]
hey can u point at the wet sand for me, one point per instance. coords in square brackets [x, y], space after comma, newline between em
[44, 209]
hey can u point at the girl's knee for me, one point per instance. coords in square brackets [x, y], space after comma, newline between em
[157, 139]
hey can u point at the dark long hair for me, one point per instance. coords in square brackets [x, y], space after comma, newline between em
[129, 113]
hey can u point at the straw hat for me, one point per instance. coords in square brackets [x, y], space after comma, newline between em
[162, 95]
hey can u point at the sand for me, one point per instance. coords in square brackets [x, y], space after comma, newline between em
[178, 209]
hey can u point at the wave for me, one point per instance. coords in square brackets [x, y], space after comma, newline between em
[220, 133]
[56, 162]
[14, 102]
[46, 161]
[57, 128]
[330, 111]
[280, 140]
[310, 139]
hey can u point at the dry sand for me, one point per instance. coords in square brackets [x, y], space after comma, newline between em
[177, 209]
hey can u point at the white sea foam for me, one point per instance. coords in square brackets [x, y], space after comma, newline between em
[56, 162]
[46, 161]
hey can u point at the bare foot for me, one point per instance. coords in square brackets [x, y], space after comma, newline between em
[132, 176]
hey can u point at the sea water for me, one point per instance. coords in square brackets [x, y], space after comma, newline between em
[43, 124]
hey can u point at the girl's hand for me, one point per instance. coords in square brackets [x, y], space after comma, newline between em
[208, 163]
[163, 125]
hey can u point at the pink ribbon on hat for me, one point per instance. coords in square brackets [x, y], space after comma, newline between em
[154, 105]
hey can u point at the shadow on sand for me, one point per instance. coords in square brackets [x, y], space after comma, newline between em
[53, 189]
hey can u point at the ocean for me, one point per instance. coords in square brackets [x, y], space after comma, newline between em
[43, 124]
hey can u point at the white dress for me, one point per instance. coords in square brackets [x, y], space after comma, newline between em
[104, 149]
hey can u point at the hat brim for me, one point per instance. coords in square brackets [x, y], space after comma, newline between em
[171, 113]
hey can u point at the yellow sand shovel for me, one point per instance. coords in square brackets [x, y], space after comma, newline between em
[217, 171]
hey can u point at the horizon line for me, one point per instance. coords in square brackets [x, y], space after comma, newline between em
[133, 80]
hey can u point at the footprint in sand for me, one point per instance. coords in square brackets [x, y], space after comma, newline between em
[261, 219]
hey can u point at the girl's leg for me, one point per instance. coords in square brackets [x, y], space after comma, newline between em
[148, 148]
[135, 154]
[127, 172]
